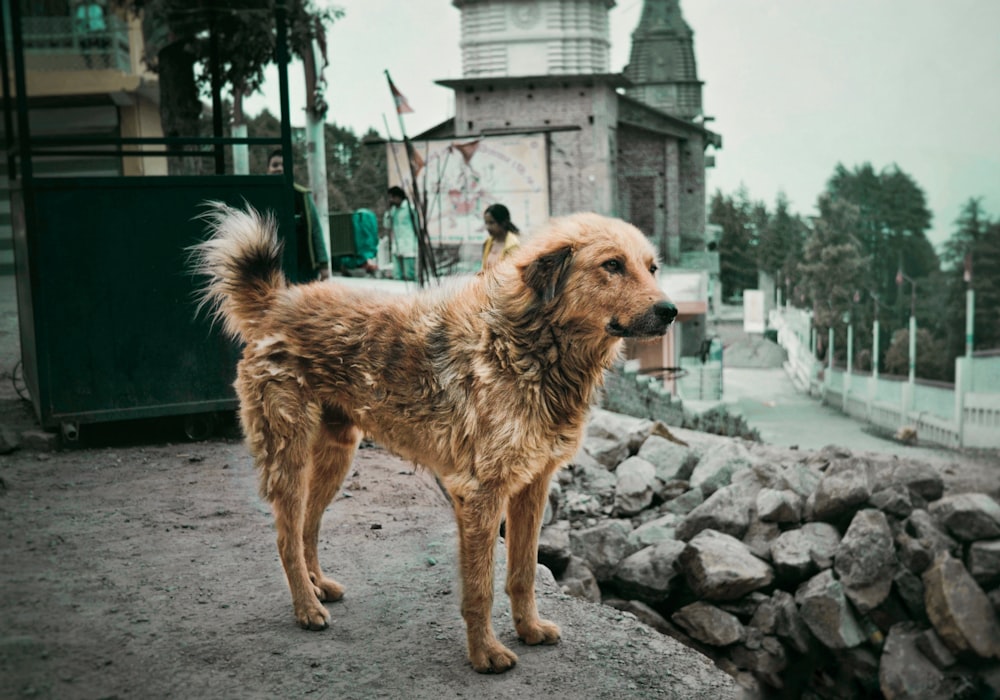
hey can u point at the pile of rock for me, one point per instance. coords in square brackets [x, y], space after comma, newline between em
[819, 574]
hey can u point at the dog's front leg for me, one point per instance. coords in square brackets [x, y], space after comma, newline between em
[478, 512]
[524, 519]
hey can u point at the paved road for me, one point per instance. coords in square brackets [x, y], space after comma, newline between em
[783, 416]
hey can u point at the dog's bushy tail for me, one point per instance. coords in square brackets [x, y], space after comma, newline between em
[241, 264]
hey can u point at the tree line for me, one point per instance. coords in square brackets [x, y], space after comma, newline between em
[863, 257]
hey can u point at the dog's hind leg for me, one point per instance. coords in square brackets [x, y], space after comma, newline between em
[524, 518]
[332, 454]
[280, 427]
[478, 510]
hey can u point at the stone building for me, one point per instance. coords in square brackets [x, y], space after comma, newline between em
[630, 145]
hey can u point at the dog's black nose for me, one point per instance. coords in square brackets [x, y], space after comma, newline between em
[665, 310]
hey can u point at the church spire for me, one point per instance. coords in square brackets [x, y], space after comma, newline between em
[661, 66]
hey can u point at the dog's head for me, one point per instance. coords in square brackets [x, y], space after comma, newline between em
[596, 274]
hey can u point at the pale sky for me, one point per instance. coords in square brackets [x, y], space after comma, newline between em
[795, 87]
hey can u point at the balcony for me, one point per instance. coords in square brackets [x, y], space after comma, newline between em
[52, 44]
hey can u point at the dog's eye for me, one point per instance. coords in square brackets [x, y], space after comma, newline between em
[615, 267]
[653, 268]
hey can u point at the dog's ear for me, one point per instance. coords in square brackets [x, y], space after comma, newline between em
[547, 274]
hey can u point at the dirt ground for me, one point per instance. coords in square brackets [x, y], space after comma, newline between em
[151, 571]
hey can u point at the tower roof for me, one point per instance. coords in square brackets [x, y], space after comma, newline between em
[661, 64]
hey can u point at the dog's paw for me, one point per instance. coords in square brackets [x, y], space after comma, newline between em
[493, 657]
[539, 632]
[326, 589]
[313, 618]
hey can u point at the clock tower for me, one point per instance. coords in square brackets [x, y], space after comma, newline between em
[511, 38]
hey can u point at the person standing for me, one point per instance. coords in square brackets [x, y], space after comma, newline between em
[502, 238]
[313, 260]
[401, 221]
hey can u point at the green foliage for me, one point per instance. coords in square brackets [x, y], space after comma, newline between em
[356, 171]
[180, 36]
[738, 218]
[891, 228]
[977, 237]
[833, 267]
[933, 361]
[780, 247]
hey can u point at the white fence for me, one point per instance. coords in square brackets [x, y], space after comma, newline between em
[964, 415]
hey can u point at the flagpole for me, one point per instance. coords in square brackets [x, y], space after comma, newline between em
[425, 253]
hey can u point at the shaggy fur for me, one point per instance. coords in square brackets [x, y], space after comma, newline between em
[487, 384]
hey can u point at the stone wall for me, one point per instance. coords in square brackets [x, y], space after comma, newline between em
[640, 396]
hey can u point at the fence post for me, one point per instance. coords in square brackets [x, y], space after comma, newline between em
[850, 364]
[963, 368]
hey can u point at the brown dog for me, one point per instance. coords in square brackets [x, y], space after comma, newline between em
[488, 384]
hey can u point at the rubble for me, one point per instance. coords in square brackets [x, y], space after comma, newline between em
[837, 574]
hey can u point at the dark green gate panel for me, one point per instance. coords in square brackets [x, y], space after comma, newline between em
[109, 329]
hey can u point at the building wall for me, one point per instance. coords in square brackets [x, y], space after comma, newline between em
[691, 194]
[581, 161]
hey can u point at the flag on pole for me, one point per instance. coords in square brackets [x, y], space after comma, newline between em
[415, 158]
[402, 106]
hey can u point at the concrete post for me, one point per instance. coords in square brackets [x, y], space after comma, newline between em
[850, 364]
[241, 157]
[875, 350]
[962, 368]
[970, 320]
[913, 349]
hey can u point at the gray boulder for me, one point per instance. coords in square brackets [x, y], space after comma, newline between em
[798, 554]
[727, 510]
[609, 453]
[718, 566]
[825, 611]
[984, 562]
[894, 500]
[602, 546]
[685, 503]
[578, 581]
[760, 536]
[608, 425]
[708, 624]
[636, 481]
[779, 506]
[649, 574]
[844, 486]
[865, 561]
[959, 610]
[904, 672]
[553, 547]
[968, 516]
[655, 531]
[671, 461]
[919, 478]
[716, 467]
[921, 525]
[788, 624]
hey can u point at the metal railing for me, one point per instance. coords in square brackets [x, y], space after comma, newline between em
[56, 44]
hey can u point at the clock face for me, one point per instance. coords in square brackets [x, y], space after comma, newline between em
[525, 14]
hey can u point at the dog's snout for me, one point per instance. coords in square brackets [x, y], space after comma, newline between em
[665, 310]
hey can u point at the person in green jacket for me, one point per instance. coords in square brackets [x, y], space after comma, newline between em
[313, 260]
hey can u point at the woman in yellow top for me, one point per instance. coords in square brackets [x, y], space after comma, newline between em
[502, 237]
